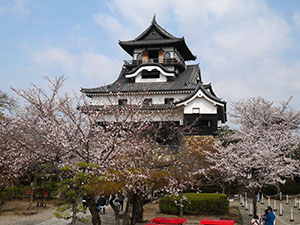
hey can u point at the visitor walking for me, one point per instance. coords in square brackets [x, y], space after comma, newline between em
[101, 202]
[121, 200]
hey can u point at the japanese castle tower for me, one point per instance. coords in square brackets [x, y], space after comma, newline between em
[158, 72]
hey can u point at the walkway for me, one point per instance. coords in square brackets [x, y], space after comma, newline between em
[280, 220]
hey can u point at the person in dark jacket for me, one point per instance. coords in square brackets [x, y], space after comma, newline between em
[121, 200]
[269, 219]
[101, 204]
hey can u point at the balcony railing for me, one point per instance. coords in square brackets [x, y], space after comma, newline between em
[171, 61]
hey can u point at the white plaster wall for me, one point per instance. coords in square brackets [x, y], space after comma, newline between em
[136, 51]
[150, 68]
[170, 50]
[205, 106]
[152, 116]
[139, 79]
[171, 68]
[156, 99]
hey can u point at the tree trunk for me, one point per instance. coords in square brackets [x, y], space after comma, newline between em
[229, 190]
[126, 218]
[32, 184]
[223, 187]
[115, 209]
[74, 212]
[181, 206]
[254, 203]
[90, 200]
[126, 213]
[137, 209]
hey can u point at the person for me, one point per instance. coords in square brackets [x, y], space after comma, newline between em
[121, 200]
[269, 219]
[255, 220]
[101, 204]
[264, 216]
[84, 203]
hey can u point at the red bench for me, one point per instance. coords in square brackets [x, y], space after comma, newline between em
[168, 220]
[158, 223]
[217, 222]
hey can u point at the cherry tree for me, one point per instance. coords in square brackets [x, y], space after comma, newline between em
[146, 168]
[267, 136]
[66, 131]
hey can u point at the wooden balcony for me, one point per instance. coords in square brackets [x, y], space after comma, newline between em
[164, 62]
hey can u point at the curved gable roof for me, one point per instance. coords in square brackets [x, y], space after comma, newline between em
[156, 36]
[163, 34]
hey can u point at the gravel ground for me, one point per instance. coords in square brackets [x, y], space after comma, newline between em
[14, 215]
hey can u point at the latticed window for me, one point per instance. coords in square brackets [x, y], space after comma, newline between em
[169, 100]
[147, 101]
[122, 101]
[150, 74]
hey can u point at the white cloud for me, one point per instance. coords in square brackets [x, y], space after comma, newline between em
[139, 13]
[296, 19]
[95, 68]
[53, 57]
[98, 67]
[18, 8]
[241, 44]
[113, 25]
[3, 9]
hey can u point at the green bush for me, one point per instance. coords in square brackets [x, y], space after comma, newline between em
[211, 189]
[10, 193]
[290, 188]
[196, 204]
[270, 190]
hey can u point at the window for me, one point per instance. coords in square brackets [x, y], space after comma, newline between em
[196, 110]
[153, 54]
[205, 123]
[139, 57]
[122, 101]
[147, 101]
[150, 74]
[169, 100]
[167, 55]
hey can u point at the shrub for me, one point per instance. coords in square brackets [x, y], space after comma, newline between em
[211, 189]
[290, 188]
[196, 204]
[270, 190]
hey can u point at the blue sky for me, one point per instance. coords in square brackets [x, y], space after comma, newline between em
[246, 48]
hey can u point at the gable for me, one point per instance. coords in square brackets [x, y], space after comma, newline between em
[152, 34]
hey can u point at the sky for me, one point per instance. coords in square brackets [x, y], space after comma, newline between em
[245, 48]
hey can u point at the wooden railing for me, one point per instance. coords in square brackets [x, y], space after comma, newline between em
[170, 61]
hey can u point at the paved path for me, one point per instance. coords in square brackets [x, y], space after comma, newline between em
[280, 220]
[106, 219]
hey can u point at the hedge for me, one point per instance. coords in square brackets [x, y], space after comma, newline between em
[196, 204]
[289, 188]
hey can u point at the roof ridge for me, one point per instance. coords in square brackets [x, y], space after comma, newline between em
[158, 27]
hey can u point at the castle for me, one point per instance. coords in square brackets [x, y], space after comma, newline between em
[159, 74]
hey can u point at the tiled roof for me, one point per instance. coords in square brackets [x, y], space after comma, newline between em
[187, 80]
[156, 36]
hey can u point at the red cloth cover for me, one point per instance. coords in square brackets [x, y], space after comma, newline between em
[171, 220]
[217, 222]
